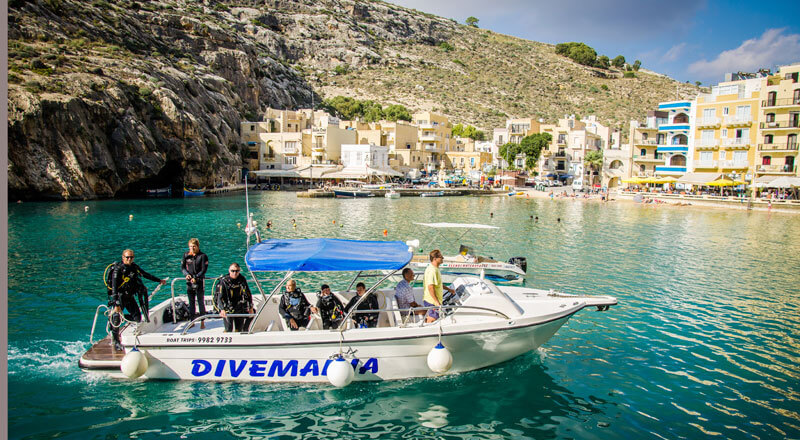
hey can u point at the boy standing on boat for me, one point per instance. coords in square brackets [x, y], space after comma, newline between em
[125, 283]
[234, 298]
[433, 286]
[194, 266]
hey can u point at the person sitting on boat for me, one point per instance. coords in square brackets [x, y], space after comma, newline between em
[330, 308]
[194, 265]
[294, 307]
[433, 286]
[404, 293]
[234, 297]
[125, 283]
[362, 320]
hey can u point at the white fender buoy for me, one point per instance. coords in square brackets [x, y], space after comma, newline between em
[85, 209]
[439, 359]
[130, 217]
[134, 364]
[340, 373]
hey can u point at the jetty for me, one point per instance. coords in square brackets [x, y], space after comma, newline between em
[410, 192]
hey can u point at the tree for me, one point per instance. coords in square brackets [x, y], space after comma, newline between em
[532, 146]
[458, 130]
[602, 62]
[636, 65]
[344, 107]
[594, 162]
[397, 112]
[618, 61]
[473, 133]
[578, 52]
[697, 83]
[471, 21]
[509, 152]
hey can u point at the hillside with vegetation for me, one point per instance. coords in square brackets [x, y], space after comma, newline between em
[108, 98]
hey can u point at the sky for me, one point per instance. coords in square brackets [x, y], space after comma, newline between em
[687, 40]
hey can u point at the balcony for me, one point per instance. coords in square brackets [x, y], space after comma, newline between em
[673, 149]
[778, 147]
[646, 158]
[289, 149]
[734, 164]
[712, 122]
[430, 138]
[433, 148]
[777, 169]
[705, 164]
[646, 142]
[561, 154]
[780, 125]
[738, 121]
[736, 143]
[670, 169]
[782, 102]
[674, 127]
[562, 141]
[712, 144]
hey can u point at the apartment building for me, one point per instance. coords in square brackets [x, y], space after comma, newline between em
[571, 140]
[276, 142]
[402, 138]
[434, 138]
[779, 125]
[517, 129]
[326, 139]
[725, 129]
[466, 157]
[660, 145]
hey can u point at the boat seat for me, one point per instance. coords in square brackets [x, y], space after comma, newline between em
[385, 300]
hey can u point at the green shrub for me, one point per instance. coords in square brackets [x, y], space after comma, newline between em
[447, 47]
[459, 62]
[341, 69]
[604, 87]
[33, 86]
[629, 74]
[578, 52]
[44, 71]
[14, 78]
[594, 89]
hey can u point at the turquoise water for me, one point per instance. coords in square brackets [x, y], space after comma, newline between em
[704, 342]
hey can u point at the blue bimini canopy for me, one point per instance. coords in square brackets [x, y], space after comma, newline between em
[326, 255]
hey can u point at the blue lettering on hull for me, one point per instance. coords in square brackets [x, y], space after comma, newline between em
[275, 368]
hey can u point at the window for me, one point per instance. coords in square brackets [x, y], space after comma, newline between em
[253, 127]
[661, 139]
[771, 98]
[796, 97]
[709, 113]
[642, 168]
[644, 136]
[707, 137]
[290, 160]
[724, 133]
[722, 155]
[770, 117]
[706, 156]
[742, 133]
[724, 110]
[791, 140]
[740, 157]
[766, 160]
[768, 139]
[643, 152]
[742, 112]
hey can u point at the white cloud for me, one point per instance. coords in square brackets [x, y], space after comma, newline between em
[772, 48]
[673, 53]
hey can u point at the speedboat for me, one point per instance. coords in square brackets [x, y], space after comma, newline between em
[352, 193]
[433, 194]
[480, 325]
[392, 194]
[467, 261]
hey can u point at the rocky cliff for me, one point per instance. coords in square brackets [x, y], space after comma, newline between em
[108, 98]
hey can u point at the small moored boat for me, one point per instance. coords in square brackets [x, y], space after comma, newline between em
[433, 194]
[193, 192]
[160, 192]
[392, 194]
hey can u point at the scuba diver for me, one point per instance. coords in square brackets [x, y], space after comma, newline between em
[364, 320]
[233, 296]
[194, 265]
[330, 308]
[125, 282]
[294, 307]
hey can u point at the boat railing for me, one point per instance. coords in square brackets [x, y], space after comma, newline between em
[215, 315]
[94, 323]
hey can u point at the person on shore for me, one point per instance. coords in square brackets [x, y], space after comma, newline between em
[194, 266]
[404, 293]
[234, 297]
[294, 307]
[363, 320]
[330, 308]
[125, 283]
[433, 285]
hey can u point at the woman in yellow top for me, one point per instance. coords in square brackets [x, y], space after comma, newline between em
[433, 286]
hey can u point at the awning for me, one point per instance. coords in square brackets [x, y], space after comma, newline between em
[784, 182]
[362, 173]
[276, 173]
[326, 255]
[698, 178]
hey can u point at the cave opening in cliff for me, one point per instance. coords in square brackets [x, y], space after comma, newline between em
[170, 176]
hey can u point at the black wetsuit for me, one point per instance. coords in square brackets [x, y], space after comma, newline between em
[295, 305]
[364, 319]
[196, 266]
[332, 311]
[234, 297]
[126, 284]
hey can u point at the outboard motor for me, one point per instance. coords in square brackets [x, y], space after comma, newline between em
[520, 262]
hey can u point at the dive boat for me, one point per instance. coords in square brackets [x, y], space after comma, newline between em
[467, 261]
[480, 325]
